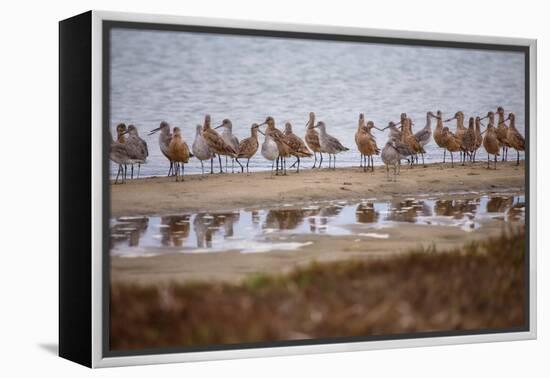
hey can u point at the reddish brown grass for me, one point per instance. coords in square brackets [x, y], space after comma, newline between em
[477, 287]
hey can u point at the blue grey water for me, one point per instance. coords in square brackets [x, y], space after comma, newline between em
[179, 77]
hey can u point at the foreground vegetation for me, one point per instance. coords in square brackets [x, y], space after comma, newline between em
[477, 287]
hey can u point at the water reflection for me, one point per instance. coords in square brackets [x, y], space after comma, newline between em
[366, 213]
[218, 231]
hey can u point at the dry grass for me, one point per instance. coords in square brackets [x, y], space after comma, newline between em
[480, 286]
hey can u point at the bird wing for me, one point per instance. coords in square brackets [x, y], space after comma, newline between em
[336, 143]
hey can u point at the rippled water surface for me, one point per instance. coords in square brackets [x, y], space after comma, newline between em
[180, 76]
[251, 231]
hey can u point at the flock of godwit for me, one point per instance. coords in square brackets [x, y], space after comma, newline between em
[402, 144]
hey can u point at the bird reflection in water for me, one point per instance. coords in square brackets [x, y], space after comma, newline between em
[128, 230]
[174, 230]
[365, 213]
[206, 226]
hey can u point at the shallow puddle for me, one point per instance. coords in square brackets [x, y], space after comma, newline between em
[263, 230]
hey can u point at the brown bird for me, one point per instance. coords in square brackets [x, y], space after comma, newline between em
[490, 142]
[438, 133]
[468, 141]
[119, 155]
[502, 133]
[479, 137]
[408, 138]
[179, 152]
[215, 142]
[451, 142]
[279, 138]
[312, 138]
[361, 128]
[121, 132]
[297, 146]
[366, 144]
[460, 128]
[514, 138]
[249, 146]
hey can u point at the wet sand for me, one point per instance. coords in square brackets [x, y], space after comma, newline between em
[162, 195]
[232, 266]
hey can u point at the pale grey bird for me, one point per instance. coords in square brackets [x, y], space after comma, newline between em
[200, 149]
[270, 150]
[424, 135]
[119, 155]
[391, 157]
[137, 149]
[329, 144]
[165, 137]
[231, 140]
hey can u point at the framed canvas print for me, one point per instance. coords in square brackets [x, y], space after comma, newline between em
[236, 189]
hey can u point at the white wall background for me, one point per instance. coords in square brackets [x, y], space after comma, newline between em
[28, 204]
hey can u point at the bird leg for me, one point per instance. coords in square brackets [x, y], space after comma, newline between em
[298, 161]
[212, 165]
[202, 167]
[139, 168]
[444, 153]
[118, 172]
[315, 162]
[452, 162]
[488, 161]
[334, 162]
[495, 162]
[423, 164]
[182, 171]
[132, 174]
[242, 168]
[248, 161]
[329, 160]
[320, 161]
[220, 162]
[517, 161]
[170, 170]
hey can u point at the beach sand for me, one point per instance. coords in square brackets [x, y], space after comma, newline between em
[162, 195]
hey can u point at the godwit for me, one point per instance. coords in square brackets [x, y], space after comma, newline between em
[279, 138]
[249, 146]
[438, 133]
[164, 141]
[297, 146]
[121, 133]
[361, 128]
[424, 135]
[460, 128]
[366, 143]
[479, 137]
[329, 144]
[119, 155]
[231, 140]
[514, 138]
[468, 142]
[270, 150]
[137, 149]
[179, 152]
[408, 138]
[215, 142]
[451, 142]
[200, 148]
[490, 142]
[312, 138]
[391, 156]
[502, 132]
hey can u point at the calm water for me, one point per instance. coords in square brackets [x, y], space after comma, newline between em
[251, 230]
[179, 77]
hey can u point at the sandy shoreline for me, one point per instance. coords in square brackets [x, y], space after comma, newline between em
[162, 195]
